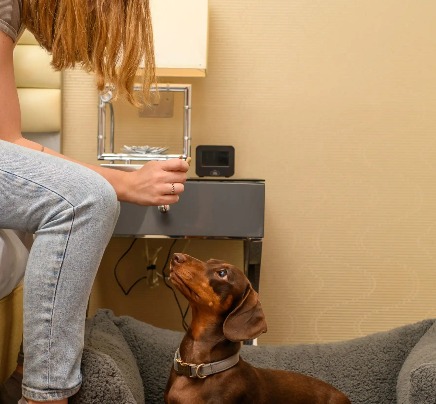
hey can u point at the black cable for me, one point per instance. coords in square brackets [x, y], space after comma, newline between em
[164, 277]
[126, 292]
[183, 314]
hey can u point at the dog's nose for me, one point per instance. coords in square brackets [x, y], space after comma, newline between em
[179, 258]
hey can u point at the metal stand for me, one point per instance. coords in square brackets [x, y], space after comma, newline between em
[105, 101]
[252, 261]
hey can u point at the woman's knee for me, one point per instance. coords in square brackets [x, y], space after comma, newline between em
[99, 200]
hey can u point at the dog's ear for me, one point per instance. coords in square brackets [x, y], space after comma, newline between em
[247, 320]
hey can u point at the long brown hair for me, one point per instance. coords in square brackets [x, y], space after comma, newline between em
[108, 37]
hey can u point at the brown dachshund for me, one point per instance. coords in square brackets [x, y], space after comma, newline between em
[207, 367]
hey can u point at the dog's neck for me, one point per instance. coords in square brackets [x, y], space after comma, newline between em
[204, 342]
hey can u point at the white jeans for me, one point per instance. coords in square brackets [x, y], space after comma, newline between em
[72, 211]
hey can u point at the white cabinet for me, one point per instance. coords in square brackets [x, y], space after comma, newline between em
[180, 31]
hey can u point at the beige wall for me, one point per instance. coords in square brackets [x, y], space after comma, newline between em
[334, 104]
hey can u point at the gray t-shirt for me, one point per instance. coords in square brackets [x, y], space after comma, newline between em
[10, 18]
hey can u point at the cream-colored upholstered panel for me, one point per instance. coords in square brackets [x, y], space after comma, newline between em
[27, 38]
[39, 89]
[41, 109]
[49, 140]
[33, 69]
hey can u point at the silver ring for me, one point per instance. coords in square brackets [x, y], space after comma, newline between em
[173, 189]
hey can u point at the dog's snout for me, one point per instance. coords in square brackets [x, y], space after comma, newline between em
[179, 258]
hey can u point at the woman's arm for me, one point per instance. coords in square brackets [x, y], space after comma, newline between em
[151, 185]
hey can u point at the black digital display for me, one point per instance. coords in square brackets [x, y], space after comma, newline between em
[215, 161]
[215, 158]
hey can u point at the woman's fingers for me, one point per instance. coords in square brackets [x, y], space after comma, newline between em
[175, 165]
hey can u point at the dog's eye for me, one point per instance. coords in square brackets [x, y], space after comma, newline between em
[222, 273]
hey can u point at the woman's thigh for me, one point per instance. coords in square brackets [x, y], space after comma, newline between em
[35, 187]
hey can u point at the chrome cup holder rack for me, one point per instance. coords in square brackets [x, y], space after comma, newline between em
[133, 160]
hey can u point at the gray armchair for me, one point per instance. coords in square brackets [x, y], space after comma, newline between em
[127, 361]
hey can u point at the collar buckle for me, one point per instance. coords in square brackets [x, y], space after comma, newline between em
[197, 368]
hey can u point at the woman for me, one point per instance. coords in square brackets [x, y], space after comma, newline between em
[70, 207]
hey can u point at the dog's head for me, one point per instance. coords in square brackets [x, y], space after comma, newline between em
[222, 289]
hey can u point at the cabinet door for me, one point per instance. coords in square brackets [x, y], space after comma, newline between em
[180, 29]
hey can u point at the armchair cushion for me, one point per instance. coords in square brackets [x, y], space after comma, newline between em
[154, 350]
[364, 368]
[103, 381]
[109, 368]
[417, 378]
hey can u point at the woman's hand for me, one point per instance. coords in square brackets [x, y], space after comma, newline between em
[157, 182]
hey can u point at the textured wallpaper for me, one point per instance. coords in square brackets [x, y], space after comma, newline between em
[334, 105]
